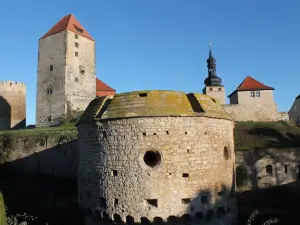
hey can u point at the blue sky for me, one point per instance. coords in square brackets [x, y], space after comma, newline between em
[163, 44]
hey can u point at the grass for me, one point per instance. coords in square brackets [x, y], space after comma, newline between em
[70, 127]
[261, 135]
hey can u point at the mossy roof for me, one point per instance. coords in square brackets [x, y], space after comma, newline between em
[155, 103]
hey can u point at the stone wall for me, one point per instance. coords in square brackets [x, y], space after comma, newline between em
[266, 167]
[47, 154]
[265, 113]
[156, 168]
[12, 105]
[66, 66]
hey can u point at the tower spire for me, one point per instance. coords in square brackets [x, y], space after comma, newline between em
[212, 79]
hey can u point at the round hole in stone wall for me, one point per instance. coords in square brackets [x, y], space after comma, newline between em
[152, 158]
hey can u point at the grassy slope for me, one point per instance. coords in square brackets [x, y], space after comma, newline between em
[251, 135]
[248, 135]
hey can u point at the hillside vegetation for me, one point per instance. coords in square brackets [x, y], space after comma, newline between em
[248, 135]
[261, 135]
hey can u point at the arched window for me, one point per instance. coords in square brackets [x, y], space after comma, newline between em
[269, 170]
[241, 176]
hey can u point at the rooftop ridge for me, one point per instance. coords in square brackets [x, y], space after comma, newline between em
[70, 23]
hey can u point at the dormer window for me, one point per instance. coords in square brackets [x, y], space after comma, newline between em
[78, 30]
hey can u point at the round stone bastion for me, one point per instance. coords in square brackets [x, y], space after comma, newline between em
[156, 157]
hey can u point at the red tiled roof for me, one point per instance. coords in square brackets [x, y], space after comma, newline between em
[250, 84]
[70, 23]
[101, 86]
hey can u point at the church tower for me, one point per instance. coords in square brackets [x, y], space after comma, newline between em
[213, 83]
[66, 78]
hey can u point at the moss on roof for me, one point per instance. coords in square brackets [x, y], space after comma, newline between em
[153, 103]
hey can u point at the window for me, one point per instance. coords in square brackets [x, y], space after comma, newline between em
[76, 54]
[49, 90]
[257, 94]
[269, 170]
[49, 118]
[219, 89]
[76, 44]
[76, 79]
[298, 119]
[76, 36]
[78, 30]
[210, 89]
[252, 94]
[51, 67]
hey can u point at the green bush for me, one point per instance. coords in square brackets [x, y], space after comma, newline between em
[3, 219]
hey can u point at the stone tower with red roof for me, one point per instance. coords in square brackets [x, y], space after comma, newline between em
[66, 71]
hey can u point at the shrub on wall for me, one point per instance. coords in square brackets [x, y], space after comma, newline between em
[3, 219]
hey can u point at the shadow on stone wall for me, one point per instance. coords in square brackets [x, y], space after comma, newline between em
[280, 202]
[31, 185]
[5, 114]
[217, 208]
[20, 125]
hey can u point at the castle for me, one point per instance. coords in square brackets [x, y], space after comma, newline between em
[147, 155]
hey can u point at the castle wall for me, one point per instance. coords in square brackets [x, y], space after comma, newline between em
[263, 112]
[12, 105]
[294, 112]
[80, 71]
[190, 170]
[46, 154]
[52, 51]
[267, 167]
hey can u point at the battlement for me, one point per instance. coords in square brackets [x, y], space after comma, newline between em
[12, 83]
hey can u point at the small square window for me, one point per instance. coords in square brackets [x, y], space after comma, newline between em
[76, 79]
[252, 94]
[219, 89]
[210, 89]
[76, 54]
[76, 44]
[76, 36]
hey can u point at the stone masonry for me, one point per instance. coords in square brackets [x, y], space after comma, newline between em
[149, 168]
[66, 75]
[12, 105]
